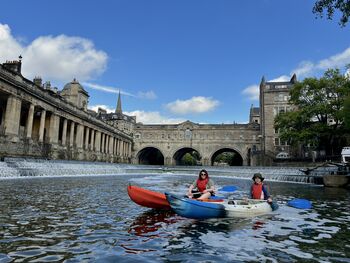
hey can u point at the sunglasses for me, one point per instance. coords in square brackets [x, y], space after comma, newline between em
[203, 174]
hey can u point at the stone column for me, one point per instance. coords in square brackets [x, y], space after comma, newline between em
[42, 125]
[29, 123]
[54, 128]
[114, 145]
[12, 116]
[98, 141]
[103, 143]
[64, 132]
[79, 137]
[110, 145]
[122, 148]
[71, 134]
[92, 143]
[107, 143]
[87, 134]
[117, 147]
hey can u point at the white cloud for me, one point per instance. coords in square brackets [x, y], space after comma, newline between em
[305, 69]
[281, 79]
[10, 49]
[153, 117]
[106, 89]
[252, 92]
[60, 58]
[150, 95]
[105, 107]
[194, 105]
[308, 68]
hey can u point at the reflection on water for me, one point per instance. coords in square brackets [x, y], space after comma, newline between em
[92, 219]
[151, 222]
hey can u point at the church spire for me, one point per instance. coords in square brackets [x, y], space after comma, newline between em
[119, 105]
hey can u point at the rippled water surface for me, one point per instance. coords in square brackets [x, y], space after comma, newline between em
[92, 219]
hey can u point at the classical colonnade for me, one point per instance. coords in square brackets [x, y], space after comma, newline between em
[80, 139]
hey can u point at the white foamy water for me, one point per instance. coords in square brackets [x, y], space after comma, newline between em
[16, 167]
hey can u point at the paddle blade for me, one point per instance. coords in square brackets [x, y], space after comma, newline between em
[228, 188]
[300, 203]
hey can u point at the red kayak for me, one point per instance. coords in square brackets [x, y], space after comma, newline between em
[151, 199]
[148, 198]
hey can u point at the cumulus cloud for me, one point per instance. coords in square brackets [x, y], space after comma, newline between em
[60, 58]
[194, 105]
[281, 79]
[308, 68]
[105, 107]
[252, 92]
[10, 48]
[153, 117]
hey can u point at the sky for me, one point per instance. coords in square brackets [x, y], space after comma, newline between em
[172, 60]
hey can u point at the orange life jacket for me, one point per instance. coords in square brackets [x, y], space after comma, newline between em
[257, 191]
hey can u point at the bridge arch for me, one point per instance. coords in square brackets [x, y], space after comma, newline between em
[236, 160]
[150, 155]
[180, 153]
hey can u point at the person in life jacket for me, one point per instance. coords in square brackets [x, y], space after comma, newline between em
[258, 190]
[202, 188]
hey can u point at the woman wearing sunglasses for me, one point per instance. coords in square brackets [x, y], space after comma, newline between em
[202, 188]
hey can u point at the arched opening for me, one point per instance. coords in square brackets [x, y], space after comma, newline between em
[226, 157]
[187, 156]
[150, 156]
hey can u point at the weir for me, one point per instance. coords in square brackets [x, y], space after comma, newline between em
[24, 167]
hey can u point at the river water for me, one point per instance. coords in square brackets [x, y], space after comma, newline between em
[85, 218]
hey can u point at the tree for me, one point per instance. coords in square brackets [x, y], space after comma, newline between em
[346, 112]
[318, 118]
[331, 6]
[190, 158]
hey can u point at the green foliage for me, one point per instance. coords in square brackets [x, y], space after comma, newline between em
[330, 6]
[225, 157]
[346, 112]
[189, 159]
[320, 115]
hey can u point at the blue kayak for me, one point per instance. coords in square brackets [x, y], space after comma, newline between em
[192, 208]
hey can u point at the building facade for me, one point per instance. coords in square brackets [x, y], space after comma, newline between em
[39, 121]
[274, 100]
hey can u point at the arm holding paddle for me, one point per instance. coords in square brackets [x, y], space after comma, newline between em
[204, 185]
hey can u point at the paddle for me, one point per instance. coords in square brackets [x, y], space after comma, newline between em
[300, 203]
[228, 188]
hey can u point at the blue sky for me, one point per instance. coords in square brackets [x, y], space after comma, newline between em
[198, 60]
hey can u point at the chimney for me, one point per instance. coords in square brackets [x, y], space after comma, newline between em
[38, 81]
[47, 85]
[14, 66]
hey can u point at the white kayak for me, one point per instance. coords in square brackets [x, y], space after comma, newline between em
[247, 207]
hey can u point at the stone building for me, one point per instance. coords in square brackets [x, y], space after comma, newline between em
[168, 143]
[117, 119]
[274, 99]
[39, 121]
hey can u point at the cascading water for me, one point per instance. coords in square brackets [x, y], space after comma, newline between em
[15, 167]
[19, 167]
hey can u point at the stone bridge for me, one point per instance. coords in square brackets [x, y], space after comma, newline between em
[167, 144]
